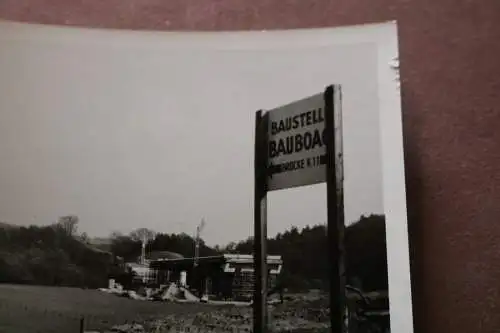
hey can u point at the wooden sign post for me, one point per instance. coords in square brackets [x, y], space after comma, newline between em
[300, 144]
[260, 225]
[335, 208]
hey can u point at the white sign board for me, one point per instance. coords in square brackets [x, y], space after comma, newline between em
[296, 144]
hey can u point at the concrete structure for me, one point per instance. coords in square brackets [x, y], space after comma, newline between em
[227, 276]
[143, 272]
[141, 267]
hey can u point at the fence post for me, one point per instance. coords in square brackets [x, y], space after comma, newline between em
[82, 324]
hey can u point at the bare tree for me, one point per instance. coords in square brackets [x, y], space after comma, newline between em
[142, 234]
[231, 247]
[115, 235]
[85, 237]
[69, 224]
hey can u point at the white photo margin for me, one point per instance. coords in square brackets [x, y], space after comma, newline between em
[384, 35]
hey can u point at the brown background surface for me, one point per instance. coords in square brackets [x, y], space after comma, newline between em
[450, 70]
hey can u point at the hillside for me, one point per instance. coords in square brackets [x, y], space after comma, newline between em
[4, 225]
[102, 243]
[49, 256]
[305, 254]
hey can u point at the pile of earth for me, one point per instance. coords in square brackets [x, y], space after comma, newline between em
[231, 319]
[297, 316]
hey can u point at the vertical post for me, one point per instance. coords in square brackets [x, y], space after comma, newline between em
[143, 250]
[260, 225]
[335, 212]
[82, 324]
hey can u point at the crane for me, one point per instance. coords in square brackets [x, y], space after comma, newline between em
[197, 240]
[143, 249]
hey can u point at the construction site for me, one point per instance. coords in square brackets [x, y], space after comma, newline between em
[162, 275]
[224, 278]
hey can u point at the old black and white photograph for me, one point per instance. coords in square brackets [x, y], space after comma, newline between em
[130, 172]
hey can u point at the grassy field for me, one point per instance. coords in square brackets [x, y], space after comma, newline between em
[35, 309]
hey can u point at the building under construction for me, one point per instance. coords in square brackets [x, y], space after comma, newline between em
[224, 277]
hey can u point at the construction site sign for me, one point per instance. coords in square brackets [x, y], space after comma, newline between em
[300, 144]
[296, 144]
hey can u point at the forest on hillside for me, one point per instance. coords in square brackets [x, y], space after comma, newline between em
[50, 255]
[58, 255]
[305, 254]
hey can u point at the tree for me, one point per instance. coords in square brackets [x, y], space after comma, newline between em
[126, 248]
[49, 256]
[142, 234]
[305, 254]
[115, 235]
[85, 237]
[69, 224]
[231, 247]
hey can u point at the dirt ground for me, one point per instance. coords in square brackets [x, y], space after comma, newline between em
[34, 309]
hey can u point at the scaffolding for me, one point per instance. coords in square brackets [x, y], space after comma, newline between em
[243, 284]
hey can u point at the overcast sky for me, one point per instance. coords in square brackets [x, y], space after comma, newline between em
[131, 130]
